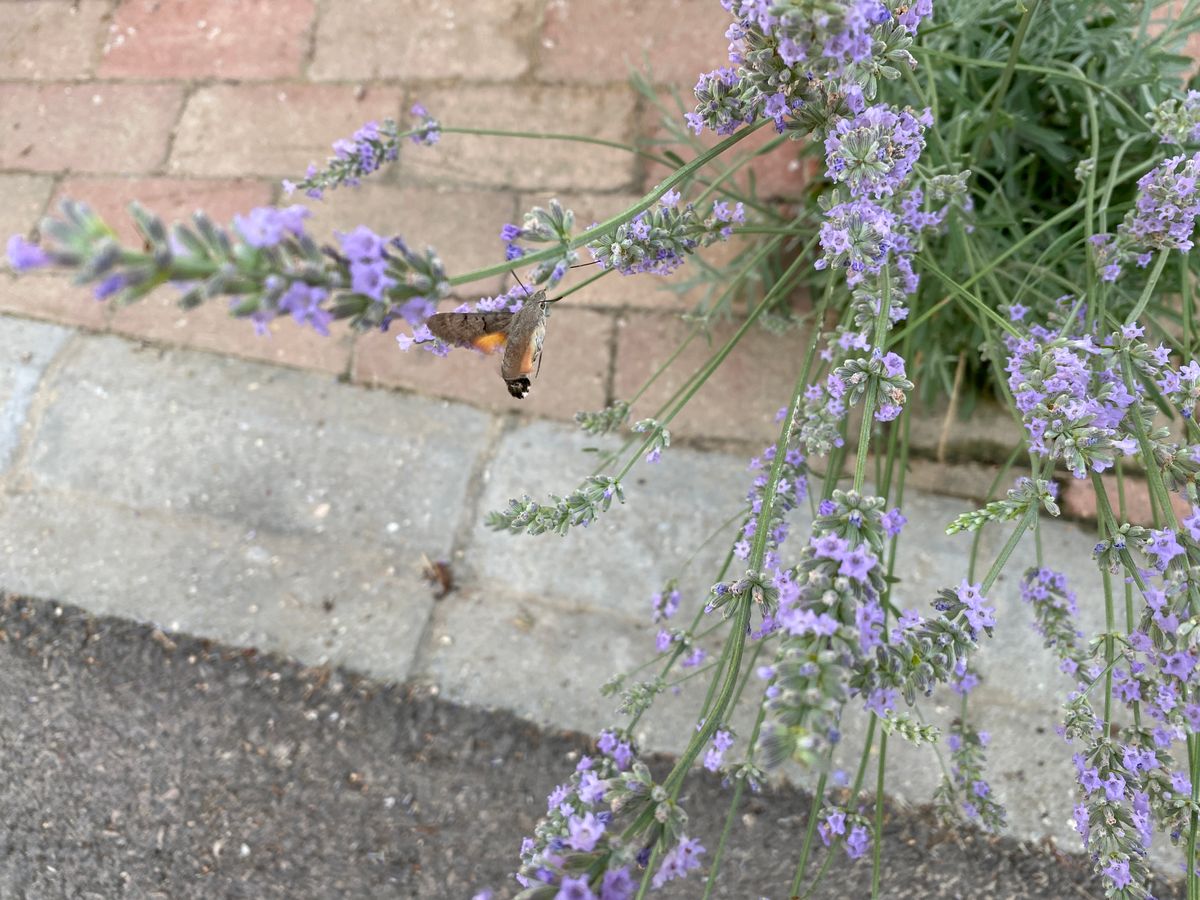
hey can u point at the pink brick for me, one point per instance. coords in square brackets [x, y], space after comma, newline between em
[44, 40]
[248, 39]
[481, 40]
[741, 398]
[463, 226]
[87, 128]
[273, 130]
[52, 297]
[25, 199]
[575, 361]
[172, 199]
[533, 165]
[159, 319]
[598, 43]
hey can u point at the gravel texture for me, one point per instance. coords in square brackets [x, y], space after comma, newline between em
[141, 764]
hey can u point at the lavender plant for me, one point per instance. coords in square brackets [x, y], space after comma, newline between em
[972, 164]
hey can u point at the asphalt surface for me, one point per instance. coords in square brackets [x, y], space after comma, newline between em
[140, 764]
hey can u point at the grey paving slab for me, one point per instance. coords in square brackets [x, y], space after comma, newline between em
[286, 593]
[26, 349]
[268, 448]
[620, 560]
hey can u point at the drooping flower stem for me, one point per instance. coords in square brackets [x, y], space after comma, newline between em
[744, 603]
[683, 173]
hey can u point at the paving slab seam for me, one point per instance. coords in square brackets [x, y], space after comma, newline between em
[10, 480]
[468, 520]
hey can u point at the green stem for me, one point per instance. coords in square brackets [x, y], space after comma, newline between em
[1007, 550]
[814, 813]
[1010, 68]
[1149, 288]
[877, 850]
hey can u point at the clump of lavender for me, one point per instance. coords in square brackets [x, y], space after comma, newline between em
[659, 239]
[365, 152]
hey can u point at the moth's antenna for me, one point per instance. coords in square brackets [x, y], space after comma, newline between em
[518, 277]
[584, 265]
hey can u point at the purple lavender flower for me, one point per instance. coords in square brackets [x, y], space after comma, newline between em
[874, 152]
[266, 226]
[585, 831]
[429, 130]
[1164, 213]
[978, 614]
[574, 889]
[303, 302]
[618, 884]
[858, 842]
[1117, 871]
[678, 861]
[24, 256]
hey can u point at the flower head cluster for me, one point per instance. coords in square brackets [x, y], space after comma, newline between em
[1072, 398]
[1163, 217]
[265, 262]
[964, 790]
[835, 644]
[389, 280]
[581, 507]
[873, 152]
[579, 833]
[363, 153]
[1177, 121]
[1054, 611]
[543, 226]
[659, 239]
[428, 130]
[790, 491]
[793, 59]
[833, 826]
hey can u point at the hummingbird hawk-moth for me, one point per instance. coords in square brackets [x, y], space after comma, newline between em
[520, 334]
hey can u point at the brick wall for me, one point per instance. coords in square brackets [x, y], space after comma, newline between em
[187, 104]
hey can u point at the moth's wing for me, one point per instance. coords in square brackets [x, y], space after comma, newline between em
[484, 331]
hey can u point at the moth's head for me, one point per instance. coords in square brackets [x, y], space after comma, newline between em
[518, 387]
